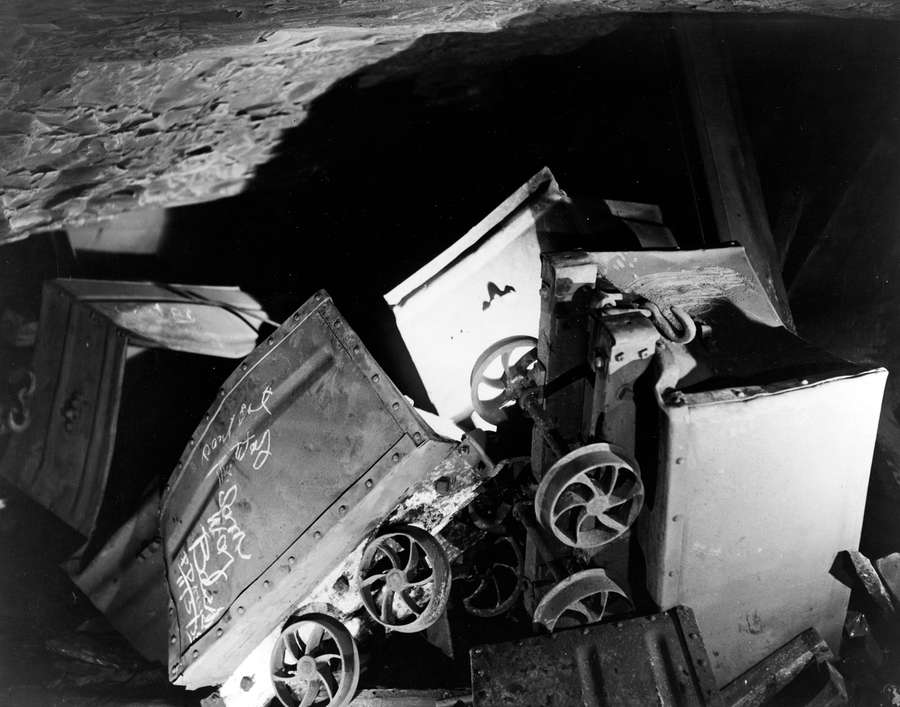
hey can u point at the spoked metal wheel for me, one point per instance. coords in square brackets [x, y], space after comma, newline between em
[494, 582]
[315, 662]
[404, 579]
[500, 374]
[584, 598]
[590, 496]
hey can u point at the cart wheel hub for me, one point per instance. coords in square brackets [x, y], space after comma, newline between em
[396, 580]
[306, 668]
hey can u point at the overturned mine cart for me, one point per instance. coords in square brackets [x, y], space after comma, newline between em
[310, 482]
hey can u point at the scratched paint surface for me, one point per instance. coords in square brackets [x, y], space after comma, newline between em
[296, 431]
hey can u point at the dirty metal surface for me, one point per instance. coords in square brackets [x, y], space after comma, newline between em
[656, 659]
[717, 285]
[758, 488]
[62, 459]
[210, 321]
[308, 448]
[765, 679]
[480, 290]
[889, 571]
[126, 581]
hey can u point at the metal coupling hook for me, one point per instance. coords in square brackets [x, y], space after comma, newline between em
[686, 324]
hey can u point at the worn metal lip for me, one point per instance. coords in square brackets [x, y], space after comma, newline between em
[424, 275]
[743, 394]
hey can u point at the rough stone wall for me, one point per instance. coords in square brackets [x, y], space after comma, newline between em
[106, 106]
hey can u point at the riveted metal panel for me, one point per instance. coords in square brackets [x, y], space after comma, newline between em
[482, 289]
[307, 450]
[759, 487]
[62, 460]
[656, 659]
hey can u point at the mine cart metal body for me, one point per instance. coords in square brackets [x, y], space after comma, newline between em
[757, 447]
[486, 286]
[307, 450]
[90, 331]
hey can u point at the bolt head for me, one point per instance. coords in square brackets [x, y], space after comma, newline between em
[369, 483]
[442, 485]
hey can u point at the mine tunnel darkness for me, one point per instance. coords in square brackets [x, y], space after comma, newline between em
[398, 160]
[395, 162]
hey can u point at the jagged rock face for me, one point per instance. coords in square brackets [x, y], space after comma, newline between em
[106, 106]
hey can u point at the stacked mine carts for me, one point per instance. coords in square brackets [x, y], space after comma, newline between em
[627, 447]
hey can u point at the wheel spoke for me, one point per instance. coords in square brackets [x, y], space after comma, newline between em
[580, 525]
[387, 600]
[422, 582]
[312, 691]
[589, 483]
[504, 360]
[493, 383]
[496, 590]
[573, 501]
[611, 523]
[529, 357]
[369, 581]
[621, 502]
[614, 478]
[482, 585]
[390, 554]
[327, 678]
[292, 646]
[315, 638]
[413, 561]
[284, 679]
[410, 603]
[328, 657]
[579, 607]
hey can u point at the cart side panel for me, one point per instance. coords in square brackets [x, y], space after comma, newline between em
[295, 427]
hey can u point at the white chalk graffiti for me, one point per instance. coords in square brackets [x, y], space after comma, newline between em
[255, 444]
[205, 562]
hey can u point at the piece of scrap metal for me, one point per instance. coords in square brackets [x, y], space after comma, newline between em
[88, 328]
[872, 583]
[485, 288]
[480, 290]
[757, 437]
[889, 571]
[656, 659]
[775, 671]
[126, 581]
[308, 449]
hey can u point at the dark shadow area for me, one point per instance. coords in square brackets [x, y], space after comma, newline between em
[395, 163]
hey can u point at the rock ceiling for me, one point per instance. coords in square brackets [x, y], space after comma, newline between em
[107, 106]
